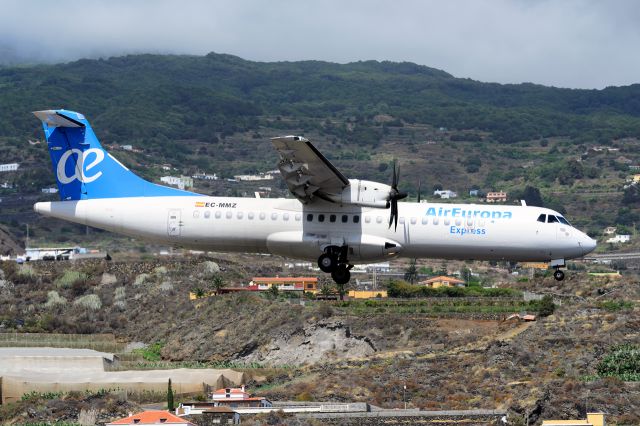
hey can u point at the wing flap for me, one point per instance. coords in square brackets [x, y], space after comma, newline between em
[306, 171]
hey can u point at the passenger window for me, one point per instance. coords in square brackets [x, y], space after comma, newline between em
[251, 215]
[274, 216]
[447, 222]
[345, 218]
[356, 219]
[218, 214]
[552, 219]
[379, 219]
[470, 222]
[413, 220]
[309, 217]
[435, 220]
[285, 216]
[320, 218]
[542, 218]
[239, 215]
[458, 222]
[367, 219]
[229, 214]
[207, 214]
[263, 215]
[401, 220]
[425, 220]
[196, 214]
[298, 217]
[332, 218]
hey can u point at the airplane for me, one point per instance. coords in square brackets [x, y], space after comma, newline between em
[331, 219]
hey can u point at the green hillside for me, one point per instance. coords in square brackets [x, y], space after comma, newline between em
[215, 113]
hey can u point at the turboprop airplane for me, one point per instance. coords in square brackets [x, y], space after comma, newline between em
[331, 219]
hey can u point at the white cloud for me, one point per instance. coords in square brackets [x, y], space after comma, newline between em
[573, 43]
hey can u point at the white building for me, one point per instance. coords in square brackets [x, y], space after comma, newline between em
[205, 176]
[127, 147]
[260, 176]
[181, 182]
[49, 190]
[9, 167]
[619, 239]
[445, 194]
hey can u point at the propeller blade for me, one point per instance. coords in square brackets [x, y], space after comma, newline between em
[419, 182]
[395, 216]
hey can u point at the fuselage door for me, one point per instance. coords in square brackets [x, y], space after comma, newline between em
[174, 223]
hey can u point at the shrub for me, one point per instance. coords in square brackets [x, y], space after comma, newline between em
[25, 274]
[209, 267]
[166, 286]
[69, 278]
[53, 299]
[89, 301]
[120, 298]
[141, 279]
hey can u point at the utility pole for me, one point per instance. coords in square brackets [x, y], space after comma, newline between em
[404, 395]
[27, 242]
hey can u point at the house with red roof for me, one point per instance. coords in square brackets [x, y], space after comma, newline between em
[442, 281]
[156, 417]
[238, 397]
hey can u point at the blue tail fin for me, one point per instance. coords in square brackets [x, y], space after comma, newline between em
[83, 169]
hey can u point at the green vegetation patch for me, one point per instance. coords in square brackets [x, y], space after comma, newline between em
[403, 289]
[151, 352]
[616, 305]
[69, 278]
[623, 362]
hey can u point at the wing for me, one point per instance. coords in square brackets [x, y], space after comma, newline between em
[307, 172]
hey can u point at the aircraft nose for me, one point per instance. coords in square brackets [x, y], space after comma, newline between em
[588, 244]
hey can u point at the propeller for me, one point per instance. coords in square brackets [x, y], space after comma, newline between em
[419, 182]
[394, 196]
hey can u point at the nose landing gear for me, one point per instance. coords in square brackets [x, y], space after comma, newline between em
[334, 261]
[557, 264]
[558, 275]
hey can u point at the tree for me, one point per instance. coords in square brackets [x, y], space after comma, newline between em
[170, 395]
[274, 291]
[217, 283]
[411, 273]
[546, 306]
[532, 197]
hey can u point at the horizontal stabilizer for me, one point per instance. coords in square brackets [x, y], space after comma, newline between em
[60, 118]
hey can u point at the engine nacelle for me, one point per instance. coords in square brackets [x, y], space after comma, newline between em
[364, 193]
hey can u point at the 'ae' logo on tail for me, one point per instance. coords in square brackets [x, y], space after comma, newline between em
[81, 169]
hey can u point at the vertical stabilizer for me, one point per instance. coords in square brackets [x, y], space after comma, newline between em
[83, 169]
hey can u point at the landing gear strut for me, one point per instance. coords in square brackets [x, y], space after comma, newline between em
[341, 274]
[334, 261]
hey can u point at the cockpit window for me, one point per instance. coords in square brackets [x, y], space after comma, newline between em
[552, 219]
[542, 218]
[563, 220]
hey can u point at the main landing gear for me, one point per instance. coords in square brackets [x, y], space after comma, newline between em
[334, 261]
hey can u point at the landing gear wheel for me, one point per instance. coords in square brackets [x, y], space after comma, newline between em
[327, 263]
[341, 275]
[558, 275]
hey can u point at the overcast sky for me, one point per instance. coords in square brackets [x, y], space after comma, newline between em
[565, 43]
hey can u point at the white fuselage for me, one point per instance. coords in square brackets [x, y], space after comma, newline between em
[287, 227]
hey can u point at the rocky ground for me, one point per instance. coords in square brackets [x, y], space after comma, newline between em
[538, 370]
